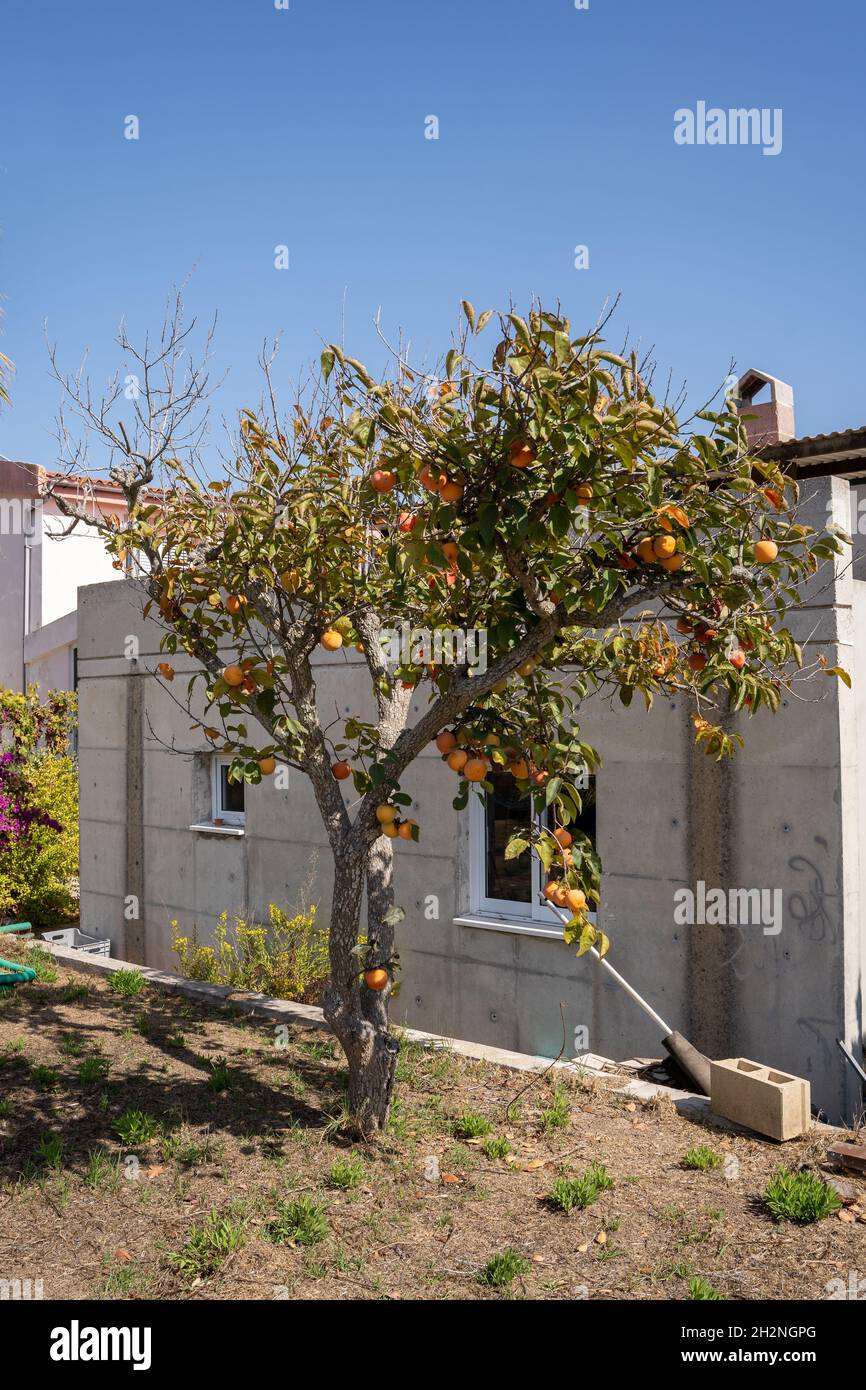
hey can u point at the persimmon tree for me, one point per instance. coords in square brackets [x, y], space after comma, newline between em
[535, 488]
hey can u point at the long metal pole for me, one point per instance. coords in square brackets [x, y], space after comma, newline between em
[605, 965]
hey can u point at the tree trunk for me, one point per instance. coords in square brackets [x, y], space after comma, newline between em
[358, 1015]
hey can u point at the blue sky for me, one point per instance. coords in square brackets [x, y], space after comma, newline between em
[305, 127]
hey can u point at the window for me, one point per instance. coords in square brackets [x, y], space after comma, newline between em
[511, 888]
[228, 797]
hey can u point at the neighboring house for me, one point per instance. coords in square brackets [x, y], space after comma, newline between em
[164, 836]
[41, 570]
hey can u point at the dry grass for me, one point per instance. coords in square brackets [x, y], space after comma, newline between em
[253, 1132]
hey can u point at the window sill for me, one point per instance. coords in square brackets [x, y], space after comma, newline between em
[208, 828]
[514, 925]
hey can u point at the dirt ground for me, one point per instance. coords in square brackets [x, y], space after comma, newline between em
[236, 1123]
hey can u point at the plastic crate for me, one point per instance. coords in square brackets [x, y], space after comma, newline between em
[79, 941]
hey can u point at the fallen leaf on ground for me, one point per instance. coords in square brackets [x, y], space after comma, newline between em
[601, 1238]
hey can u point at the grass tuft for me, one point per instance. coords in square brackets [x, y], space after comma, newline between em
[220, 1078]
[701, 1290]
[126, 983]
[347, 1172]
[209, 1246]
[701, 1157]
[135, 1127]
[495, 1147]
[799, 1197]
[580, 1192]
[558, 1113]
[502, 1269]
[93, 1069]
[300, 1222]
[470, 1125]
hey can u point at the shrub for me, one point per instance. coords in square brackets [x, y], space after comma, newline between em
[799, 1197]
[287, 958]
[38, 807]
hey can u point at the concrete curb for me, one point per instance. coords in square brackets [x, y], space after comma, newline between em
[307, 1015]
[688, 1103]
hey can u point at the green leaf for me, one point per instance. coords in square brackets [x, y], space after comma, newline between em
[522, 328]
[841, 673]
[327, 362]
[545, 849]
[515, 848]
[552, 790]
[469, 312]
[587, 939]
[487, 519]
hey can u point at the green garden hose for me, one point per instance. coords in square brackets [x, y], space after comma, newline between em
[12, 974]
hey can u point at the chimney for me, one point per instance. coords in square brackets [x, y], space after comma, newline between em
[772, 420]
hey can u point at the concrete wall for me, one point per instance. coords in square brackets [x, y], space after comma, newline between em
[12, 588]
[67, 563]
[786, 815]
[48, 653]
[41, 570]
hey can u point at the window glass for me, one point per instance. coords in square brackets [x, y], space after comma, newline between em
[231, 793]
[507, 879]
[585, 822]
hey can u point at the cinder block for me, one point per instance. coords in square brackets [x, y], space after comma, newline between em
[768, 1101]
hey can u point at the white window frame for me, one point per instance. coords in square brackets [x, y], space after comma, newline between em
[525, 916]
[217, 810]
[534, 911]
